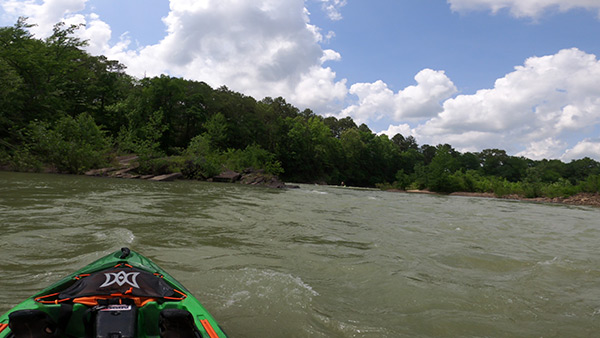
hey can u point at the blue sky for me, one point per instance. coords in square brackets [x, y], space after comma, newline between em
[510, 74]
[394, 39]
[142, 19]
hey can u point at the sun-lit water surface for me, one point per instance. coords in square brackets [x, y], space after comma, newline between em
[318, 261]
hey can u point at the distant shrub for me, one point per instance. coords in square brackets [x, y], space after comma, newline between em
[385, 186]
[143, 141]
[402, 180]
[481, 183]
[560, 188]
[199, 161]
[159, 166]
[252, 157]
[72, 145]
[23, 160]
[591, 184]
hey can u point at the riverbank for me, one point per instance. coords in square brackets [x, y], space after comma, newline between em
[587, 199]
[126, 167]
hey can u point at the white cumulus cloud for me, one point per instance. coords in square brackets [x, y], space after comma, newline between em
[420, 101]
[585, 148]
[523, 8]
[45, 14]
[332, 8]
[403, 129]
[548, 148]
[529, 111]
[258, 47]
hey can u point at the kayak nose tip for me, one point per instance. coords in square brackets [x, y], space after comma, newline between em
[125, 252]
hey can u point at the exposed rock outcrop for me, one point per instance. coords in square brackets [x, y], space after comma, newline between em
[578, 199]
[251, 176]
[166, 177]
[227, 176]
[126, 166]
[260, 178]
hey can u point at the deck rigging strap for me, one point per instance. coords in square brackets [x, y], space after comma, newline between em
[120, 281]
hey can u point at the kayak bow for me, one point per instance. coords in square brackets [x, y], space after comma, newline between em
[120, 295]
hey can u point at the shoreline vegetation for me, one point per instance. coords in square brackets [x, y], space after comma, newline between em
[64, 109]
[582, 199]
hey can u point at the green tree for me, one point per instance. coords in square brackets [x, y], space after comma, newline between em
[337, 127]
[11, 100]
[579, 170]
[72, 145]
[309, 151]
[469, 161]
[355, 165]
[441, 168]
[404, 144]
[252, 157]
[50, 78]
[409, 159]
[200, 160]
[428, 153]
[216, 131]
[143, 140]
[546, 171]
[496, 162]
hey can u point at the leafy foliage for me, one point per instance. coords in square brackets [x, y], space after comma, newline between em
[71, 145]
[252, 157]
[200, 161]
[61, 107]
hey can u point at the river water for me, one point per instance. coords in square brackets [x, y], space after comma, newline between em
[318, 261]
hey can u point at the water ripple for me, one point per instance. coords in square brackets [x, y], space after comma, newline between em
[318, 261]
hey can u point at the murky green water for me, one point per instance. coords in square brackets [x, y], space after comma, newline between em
[318, 261]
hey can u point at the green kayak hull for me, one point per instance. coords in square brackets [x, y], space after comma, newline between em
[80, 321]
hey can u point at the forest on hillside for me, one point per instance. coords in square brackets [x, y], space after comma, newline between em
[63, 108]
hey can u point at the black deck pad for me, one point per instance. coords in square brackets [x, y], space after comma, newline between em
[124, 280]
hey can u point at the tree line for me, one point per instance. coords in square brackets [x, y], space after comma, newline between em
[64, 108]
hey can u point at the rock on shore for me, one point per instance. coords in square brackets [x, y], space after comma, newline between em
[126, 167]
[578, 199]
[259, 177]
[588, 199]
[251, 176]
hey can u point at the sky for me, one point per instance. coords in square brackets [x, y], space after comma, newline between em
[517, 75]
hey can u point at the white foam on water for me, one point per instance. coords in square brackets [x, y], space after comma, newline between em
[120, 235]
[100, 235]
[549, 262]
[46, 276]
[315, 192]
[236, 298]
[285, 277]
[269, 281]
[350, 328]
[126, 235]
[268, 287]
